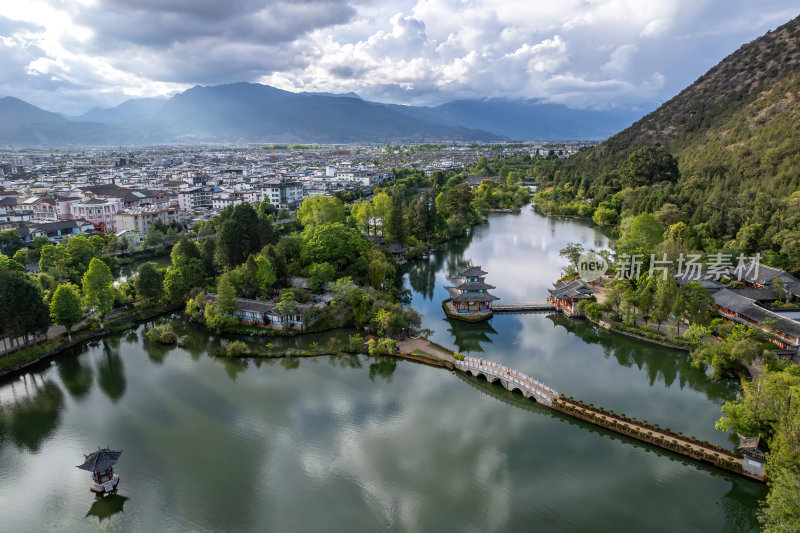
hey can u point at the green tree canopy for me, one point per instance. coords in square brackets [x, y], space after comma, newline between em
[331, 243]
[98, 292]
[241, 233]
[648, 165]
[317, 210]
[149, 283]
[66, 307]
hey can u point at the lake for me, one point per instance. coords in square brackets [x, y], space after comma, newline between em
[353, 443]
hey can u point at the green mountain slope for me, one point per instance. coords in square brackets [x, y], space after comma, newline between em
[734, 133]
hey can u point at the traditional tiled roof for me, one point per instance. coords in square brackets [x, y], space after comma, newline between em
[762, 274]
[759, 295]
[474, 286]
[100, 460]
[471, 271]
[754, 447]
[474, 297]
[571, 290]
[397, 248]
[748, 308]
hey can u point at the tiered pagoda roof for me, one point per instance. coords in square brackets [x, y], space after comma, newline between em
[469, 286]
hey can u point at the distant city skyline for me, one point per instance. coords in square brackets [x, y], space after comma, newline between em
[69, 57]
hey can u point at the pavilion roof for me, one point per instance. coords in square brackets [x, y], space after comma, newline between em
[474, 286]
[475, 297]
[100, 460]
[471, 271]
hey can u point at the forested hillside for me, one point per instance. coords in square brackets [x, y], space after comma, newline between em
[734, 137]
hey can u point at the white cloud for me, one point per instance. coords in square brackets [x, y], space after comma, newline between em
[72, 55]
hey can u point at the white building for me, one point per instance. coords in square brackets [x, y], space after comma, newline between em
[141, 219]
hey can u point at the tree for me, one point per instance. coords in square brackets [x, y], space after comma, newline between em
[698, 302]
[648, 165]
[10, 242]
[226, 294]
[184, 248]
[241, 233]
[320, 274]
[149, 283]
[376, 267]
[331, 243]
[363, 214]
[66, 307]
[678, 308]
[423, 216]
[640, 235]
[669, 214]
[317, 209]
[98, 293]
[11, 264]
[288, 304]
[395, 221]
[572, 253]
[381, 206]
[22, 309]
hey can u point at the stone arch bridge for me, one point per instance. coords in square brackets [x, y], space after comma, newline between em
[509, 378]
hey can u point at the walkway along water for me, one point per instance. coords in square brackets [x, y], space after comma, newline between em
[534, 389]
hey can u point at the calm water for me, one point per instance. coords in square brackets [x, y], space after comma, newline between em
[358, 444]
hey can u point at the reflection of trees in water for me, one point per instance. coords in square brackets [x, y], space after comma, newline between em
[111, 370]
[738, 504]
[469, 336]
[76, 377]
[422, 272]
[234, 366]
[345, 360]
[32, 418]
[383, 367]
[107, 506]
[660, 363]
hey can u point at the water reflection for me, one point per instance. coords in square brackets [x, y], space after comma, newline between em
[469, 338]
[736, 503]
[383, 368]
[76, 375]
[660, 364]
[111, 370]
[33, 413]
[107, 507]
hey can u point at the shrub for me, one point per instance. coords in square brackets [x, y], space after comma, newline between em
[355, 341]
[162, 334]
[236, 349]
[388, 346]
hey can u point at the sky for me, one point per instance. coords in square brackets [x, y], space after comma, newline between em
[71, 55]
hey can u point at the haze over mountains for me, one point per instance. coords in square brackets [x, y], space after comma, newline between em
[247, 112]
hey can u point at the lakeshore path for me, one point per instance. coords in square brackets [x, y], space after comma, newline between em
[423, 347]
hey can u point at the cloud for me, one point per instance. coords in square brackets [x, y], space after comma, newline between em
[584, 53]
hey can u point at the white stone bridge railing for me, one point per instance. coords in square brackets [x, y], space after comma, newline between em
[509, 378]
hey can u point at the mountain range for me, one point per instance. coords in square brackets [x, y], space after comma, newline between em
[252, 113]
